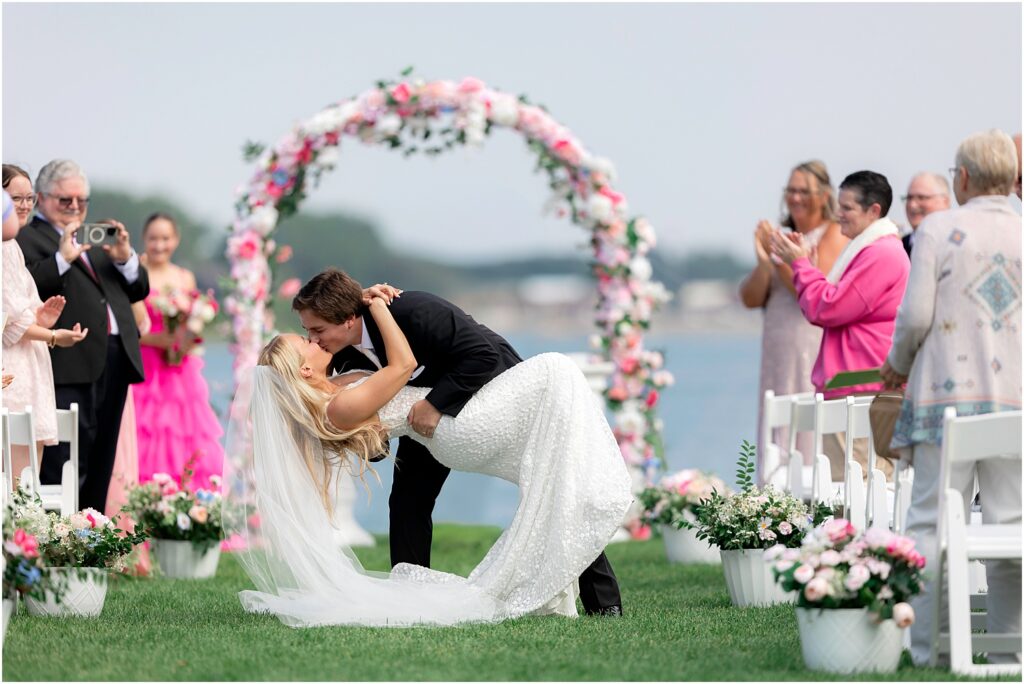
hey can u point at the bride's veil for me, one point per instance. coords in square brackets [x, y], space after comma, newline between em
[288, 543]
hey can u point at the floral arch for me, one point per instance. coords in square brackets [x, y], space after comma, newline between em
[415, 116]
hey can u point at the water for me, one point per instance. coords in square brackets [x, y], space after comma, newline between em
[710, 409]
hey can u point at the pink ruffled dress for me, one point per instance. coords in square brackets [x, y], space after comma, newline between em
[174, 417]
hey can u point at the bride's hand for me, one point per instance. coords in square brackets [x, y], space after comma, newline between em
[383, 290]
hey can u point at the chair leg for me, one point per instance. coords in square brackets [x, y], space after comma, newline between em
[958, 593]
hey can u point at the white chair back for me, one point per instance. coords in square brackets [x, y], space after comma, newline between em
[829, 419]
[775, 413]
[803, 410]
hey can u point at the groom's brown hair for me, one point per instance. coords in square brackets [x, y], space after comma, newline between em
[333, 295]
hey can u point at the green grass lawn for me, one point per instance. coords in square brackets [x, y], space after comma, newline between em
[679, 625]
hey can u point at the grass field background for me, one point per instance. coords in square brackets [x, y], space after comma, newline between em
[679, 625]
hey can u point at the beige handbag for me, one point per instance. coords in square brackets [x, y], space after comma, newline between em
[883, 414]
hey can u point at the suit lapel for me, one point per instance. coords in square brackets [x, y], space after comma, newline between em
[375, 338]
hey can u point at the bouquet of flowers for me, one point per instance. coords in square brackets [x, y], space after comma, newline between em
[837, 568]
[671, 502]
[185, 313]
[166, 511]
[24, 524]
[755, 518]
[87, 539]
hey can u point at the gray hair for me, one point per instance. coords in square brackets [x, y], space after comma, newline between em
[990, 158]
[940, 181]
[59, 169]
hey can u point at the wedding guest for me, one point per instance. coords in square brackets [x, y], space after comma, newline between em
[856, 303]
[27, 332]
[958, 340]
[126, 464]
[927, 193]
[176, 423]
[99, 284]
[788, 342]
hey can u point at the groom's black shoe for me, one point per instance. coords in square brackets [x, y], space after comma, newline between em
[610, 611]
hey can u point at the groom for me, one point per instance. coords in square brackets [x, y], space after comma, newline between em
[458, 356]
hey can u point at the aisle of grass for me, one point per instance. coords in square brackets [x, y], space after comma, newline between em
[678, 626]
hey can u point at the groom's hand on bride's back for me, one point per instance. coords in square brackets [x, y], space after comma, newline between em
[383, 290]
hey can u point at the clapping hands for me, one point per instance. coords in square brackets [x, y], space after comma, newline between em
[789, 246]
[50, 311]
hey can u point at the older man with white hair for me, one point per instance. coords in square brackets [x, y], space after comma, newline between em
[100, 282]
[958, 338]
[927, 193]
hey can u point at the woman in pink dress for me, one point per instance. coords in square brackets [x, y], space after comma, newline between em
[126, 464]
[175, 421]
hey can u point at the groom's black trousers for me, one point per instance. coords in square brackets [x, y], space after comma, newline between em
[417, 482]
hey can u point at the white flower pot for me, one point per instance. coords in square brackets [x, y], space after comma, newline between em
[181, 560]
[749, 579]
[848, 641]
[682, 546]
[8, 612]
[84, 596]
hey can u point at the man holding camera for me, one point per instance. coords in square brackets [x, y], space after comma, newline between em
[99, 274]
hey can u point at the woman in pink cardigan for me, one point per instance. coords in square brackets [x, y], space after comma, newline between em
[856, 303]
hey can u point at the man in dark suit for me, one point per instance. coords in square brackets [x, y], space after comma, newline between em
[458, 356]
[99, 285]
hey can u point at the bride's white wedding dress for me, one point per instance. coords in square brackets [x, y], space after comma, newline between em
[537, 425]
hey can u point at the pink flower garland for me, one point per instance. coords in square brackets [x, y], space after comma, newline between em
[399, 114]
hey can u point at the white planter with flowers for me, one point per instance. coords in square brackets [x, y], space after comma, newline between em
[848, 640]
[184, 526]
[744, 524]
[749, 579]
[669, 505]
[185, 560]
[85, 592]
[8, 612]
[852, 591]
[682, 546]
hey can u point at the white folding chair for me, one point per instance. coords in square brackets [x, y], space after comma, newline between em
[876, 504]
[799, 478]
[829, 418]
[967, 439]
[854, 493]
[776, 413]
[61, 497]
[903, 487]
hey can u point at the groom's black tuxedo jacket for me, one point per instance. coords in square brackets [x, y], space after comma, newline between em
[458, 355]
[87, 300]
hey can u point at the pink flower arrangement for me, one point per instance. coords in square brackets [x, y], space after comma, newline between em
[185, 314]
[835, 567]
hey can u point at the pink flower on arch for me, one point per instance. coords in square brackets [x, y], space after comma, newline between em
[470, 85]
[401, 93]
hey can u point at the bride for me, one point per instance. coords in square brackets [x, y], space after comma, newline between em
[537, 425]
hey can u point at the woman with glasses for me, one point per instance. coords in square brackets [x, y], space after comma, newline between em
[28, 333]
[789, 344]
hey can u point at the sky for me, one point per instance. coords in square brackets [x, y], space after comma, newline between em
[703, 108]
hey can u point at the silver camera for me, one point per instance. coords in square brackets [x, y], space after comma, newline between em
[96, 234]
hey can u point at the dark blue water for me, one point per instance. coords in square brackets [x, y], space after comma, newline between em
[710, 409]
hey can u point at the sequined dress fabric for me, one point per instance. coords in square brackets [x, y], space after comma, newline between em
[539, 426]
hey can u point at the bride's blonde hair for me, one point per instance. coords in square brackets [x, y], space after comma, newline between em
[310, 419]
